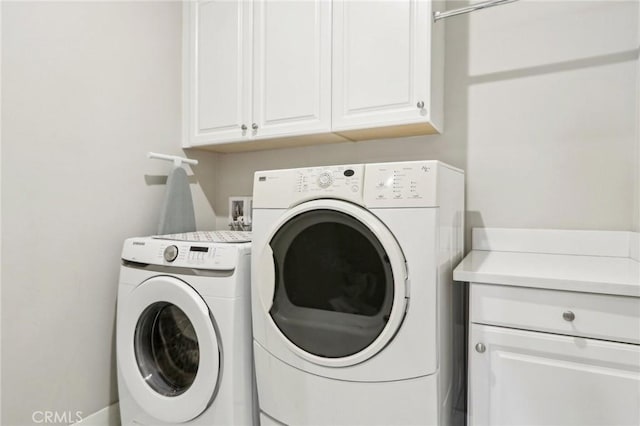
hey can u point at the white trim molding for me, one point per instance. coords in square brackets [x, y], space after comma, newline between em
[108, 416]
[634, 246]
[556, 241]
[599, 262]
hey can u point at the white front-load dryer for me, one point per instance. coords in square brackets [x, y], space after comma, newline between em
[183, 330]
[352, 293]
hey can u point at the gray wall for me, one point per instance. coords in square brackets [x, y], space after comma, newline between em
[540, 110]
[87, 89]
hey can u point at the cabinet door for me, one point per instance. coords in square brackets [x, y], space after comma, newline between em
[533, 378]
[217, 70]
[292, 67]
[381, 63]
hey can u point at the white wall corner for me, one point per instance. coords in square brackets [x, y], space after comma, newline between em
[186, 81]
[636, 218]
[0, 197]
[108, 416]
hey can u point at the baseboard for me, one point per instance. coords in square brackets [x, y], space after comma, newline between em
[108, 416]
[634, 246]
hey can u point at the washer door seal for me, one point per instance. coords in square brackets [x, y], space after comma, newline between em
[168, 349]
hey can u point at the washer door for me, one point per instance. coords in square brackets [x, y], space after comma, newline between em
[168, 349]
[333, 281]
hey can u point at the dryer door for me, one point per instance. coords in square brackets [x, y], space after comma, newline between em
[333, 282]
[168, 349]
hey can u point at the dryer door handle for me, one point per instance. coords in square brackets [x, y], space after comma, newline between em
[267, 278]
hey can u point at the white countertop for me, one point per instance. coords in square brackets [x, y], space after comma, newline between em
[589, 274]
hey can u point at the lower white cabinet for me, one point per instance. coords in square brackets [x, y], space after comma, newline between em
[522, 377]
[533, 358]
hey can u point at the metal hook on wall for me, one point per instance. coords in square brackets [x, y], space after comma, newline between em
[471, 8]
[177, 161]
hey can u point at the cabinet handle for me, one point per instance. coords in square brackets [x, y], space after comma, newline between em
[480, 347]
[568, 316]
[254, 126]
[420, 104]
[243, 127]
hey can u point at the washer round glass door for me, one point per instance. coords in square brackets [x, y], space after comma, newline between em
[168, 349]
[339, 282]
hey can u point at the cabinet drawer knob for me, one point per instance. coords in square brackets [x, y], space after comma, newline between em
[420, 104]
[254, 126]
[480, 347]
[243, 127]
[568, 316]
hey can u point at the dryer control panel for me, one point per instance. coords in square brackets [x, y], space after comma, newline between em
[376, 185]
[343, 180]
[410, 184]
[284, 188]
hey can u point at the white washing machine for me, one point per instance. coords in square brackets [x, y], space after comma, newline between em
[352, 293]
[184, 331]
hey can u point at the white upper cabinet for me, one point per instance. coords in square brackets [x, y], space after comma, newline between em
[269, 73]
[291, 67]
[256, 70]
[385, 81]
[217, 78]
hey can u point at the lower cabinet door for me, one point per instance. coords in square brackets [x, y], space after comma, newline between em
[521, 377]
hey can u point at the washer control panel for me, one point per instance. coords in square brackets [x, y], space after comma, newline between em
[170, 253]
[210, 256]
[340, 181]
[203, 256]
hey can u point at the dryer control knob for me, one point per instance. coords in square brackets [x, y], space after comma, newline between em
[170, 253]
[325, 180]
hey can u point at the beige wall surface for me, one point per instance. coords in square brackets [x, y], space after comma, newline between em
[87, 89]
[540, 112]
[636, 226]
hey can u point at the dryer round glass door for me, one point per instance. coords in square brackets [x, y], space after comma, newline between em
[339, 283]
[168, 349]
